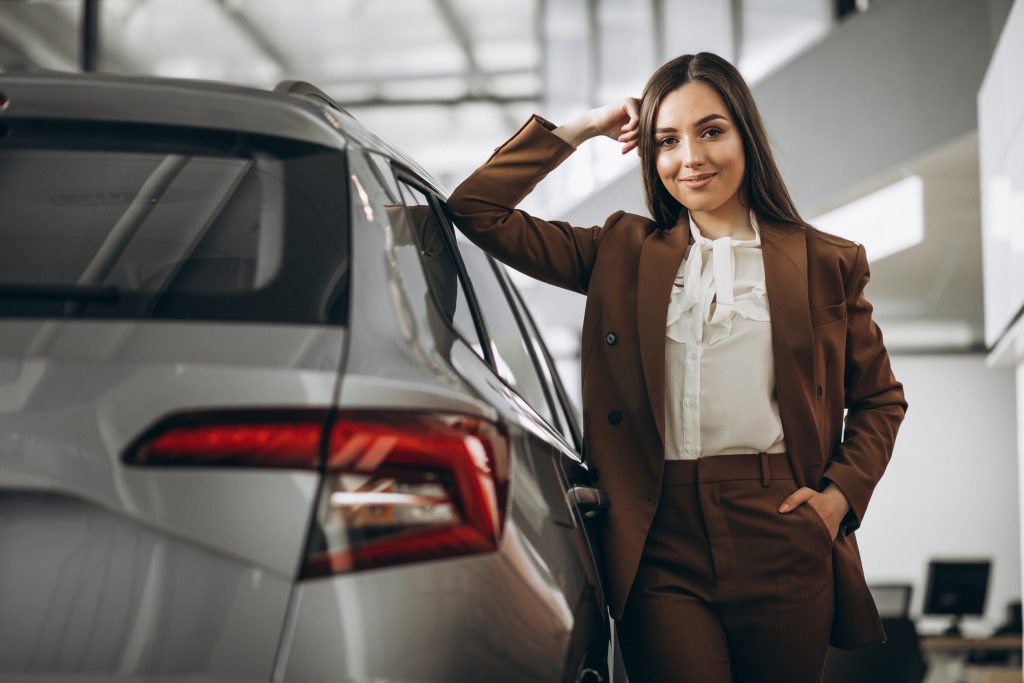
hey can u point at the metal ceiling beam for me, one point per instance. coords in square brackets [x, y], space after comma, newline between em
[89, 44]
[593, 51]
[438, 101]
[658, 30]
[461, 36]
[474, 74]
[541, 40]
[12, 56]
[375, 79]
[736, 10]
[256, 35]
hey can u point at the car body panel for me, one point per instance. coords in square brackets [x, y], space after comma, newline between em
[146, 571]
[93, 595]
[172, 102]
[72, 405]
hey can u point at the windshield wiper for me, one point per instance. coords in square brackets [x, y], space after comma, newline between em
[107, 294]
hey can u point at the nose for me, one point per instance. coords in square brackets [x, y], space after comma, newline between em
[692, 155]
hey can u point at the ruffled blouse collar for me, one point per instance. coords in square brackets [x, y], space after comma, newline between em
[698, 288]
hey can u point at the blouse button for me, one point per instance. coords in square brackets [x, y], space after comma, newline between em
[615, 417]
[818, 392]
[611, 338]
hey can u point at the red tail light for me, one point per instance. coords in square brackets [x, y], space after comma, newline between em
[255, 438]
[403, 486]
[398, 486]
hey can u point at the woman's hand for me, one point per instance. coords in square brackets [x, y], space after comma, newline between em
[830, 505]
[616, 121]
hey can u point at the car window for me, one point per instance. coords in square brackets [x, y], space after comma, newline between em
[513, 359]
[381, 168]
[375, 194]
[167, 222]
[416, 222]
[563, 406]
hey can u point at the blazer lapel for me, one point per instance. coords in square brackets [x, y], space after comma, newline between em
[784, 251]
[660, 256]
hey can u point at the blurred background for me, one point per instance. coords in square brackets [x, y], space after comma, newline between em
[897, 123]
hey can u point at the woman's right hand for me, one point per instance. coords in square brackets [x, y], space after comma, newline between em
[617, 121]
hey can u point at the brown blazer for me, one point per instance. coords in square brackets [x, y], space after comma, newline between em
[828, 355]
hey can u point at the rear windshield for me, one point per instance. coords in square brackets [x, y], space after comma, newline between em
[101, 221]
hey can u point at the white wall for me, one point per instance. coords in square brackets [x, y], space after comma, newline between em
[951, 490]
[1001, 143]
[1001, 148]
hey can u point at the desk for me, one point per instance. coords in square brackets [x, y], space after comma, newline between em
[954, 644]
[946, 657]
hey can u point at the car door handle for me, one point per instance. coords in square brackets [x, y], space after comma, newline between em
[590, 501]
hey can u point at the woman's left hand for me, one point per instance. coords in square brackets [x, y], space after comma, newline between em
[830, 505]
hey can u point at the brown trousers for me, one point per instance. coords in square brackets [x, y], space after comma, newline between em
[729, 589]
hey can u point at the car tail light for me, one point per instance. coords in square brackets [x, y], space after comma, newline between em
[254, 438]
[404, 487]
[398, 486]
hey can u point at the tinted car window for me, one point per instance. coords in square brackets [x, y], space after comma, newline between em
[149, 221]
[563, 408]
[417, 219]
[514, 361]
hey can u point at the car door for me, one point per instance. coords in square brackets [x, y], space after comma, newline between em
[560, 476]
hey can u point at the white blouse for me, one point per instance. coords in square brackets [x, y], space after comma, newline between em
[720, 377]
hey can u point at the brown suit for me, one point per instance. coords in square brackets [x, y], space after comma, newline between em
[828, 355]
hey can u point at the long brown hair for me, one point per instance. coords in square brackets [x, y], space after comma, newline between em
[762, 184]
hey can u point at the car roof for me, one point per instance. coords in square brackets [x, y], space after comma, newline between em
[299, 113]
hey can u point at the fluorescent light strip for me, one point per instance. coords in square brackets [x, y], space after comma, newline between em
[886, 221]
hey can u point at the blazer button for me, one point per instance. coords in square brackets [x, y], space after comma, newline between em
[615, 417]
[611, 338]
[818, 391]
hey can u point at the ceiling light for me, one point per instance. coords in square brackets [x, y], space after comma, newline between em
[886, 221]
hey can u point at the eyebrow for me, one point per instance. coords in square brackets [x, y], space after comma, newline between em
[709, 117]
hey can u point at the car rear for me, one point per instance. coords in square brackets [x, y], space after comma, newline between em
[155, 276]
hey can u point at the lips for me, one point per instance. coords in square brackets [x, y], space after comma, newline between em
[698, 182]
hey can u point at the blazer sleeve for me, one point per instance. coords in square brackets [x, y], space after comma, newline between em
[483, 208]
[874, 401]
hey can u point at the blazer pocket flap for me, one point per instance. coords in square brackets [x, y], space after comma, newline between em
[822, 315]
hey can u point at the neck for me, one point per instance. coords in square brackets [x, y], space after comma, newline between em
[730, 220]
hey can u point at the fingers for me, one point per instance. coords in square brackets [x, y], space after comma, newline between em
[797, 498]
[632, 110]
[631, 140]
[630, 130]
[632, 107]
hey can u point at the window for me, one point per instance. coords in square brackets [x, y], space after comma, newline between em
[563, 407]
[512, 357]
[165, 222]
[415, 223]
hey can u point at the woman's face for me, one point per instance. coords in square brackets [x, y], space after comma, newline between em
[699, 150]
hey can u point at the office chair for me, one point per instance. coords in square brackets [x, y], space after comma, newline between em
[892, 599]
[898, 660]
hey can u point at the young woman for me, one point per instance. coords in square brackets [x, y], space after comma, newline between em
[722, 341]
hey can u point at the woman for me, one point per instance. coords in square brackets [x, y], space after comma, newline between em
[722, 342]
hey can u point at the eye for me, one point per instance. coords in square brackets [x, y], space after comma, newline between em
[716, 132]
[664, 142]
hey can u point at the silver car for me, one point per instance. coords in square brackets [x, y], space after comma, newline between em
[264, 415]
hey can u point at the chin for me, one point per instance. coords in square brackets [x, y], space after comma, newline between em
[701, 204]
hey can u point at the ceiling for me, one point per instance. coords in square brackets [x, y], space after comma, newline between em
[423, 73]
[930, 295]
[445, 80]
